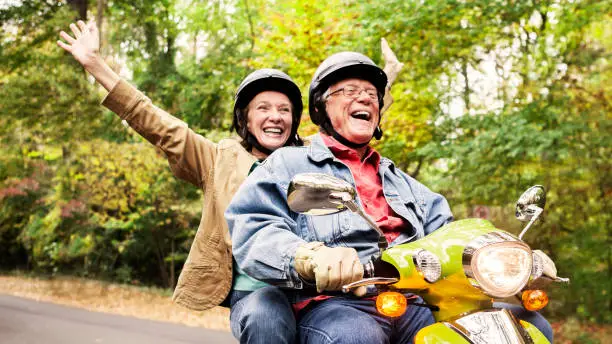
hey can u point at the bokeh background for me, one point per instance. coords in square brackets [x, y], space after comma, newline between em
[494, 96]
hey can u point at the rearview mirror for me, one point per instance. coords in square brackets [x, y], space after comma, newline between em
[318, 194]
[527, 205]
[322, 194]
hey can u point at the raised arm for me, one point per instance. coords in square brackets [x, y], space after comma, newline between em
[190, 155]
[392, 68]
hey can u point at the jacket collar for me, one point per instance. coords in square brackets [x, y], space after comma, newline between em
[318, 152]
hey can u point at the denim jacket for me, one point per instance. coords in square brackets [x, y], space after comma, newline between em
[265, 232]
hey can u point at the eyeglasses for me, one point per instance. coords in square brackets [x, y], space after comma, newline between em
[354, 92]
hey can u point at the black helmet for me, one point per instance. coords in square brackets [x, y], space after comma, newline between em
[266, 79]
[338, 67]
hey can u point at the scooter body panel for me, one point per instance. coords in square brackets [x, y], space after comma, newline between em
[535, 334]
[439, 333]
[453, 293]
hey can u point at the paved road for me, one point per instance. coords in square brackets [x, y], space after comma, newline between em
[24, 321]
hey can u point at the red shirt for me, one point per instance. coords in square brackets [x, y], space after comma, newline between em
[370, 191]
[369, 186]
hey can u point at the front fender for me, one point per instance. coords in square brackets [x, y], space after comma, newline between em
[534, 333]
[438, 333]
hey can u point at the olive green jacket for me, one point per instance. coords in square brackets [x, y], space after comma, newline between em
[218, 169]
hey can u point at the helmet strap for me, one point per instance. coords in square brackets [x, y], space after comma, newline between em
[378, 133]
[253, 142]
[330, 129]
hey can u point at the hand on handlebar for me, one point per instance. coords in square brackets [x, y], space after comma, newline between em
[329, 267]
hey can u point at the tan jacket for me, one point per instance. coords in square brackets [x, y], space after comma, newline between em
[218, 169]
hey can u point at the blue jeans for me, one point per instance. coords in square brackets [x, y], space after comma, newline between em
[535, 318]
[345, 320]
[262, 316]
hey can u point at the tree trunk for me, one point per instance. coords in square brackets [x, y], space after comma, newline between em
[100, 22]
[172, 272]
[81, 7]
[466, 85]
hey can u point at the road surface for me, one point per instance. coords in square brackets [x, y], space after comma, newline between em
[24, 321]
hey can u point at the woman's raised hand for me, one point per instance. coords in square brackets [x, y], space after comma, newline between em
[392, 68]
[392, 65]
[85, 45]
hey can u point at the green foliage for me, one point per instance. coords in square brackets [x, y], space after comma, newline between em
[97, 211]
[494, 96]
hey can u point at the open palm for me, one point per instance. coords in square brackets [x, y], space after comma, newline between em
[85, 45]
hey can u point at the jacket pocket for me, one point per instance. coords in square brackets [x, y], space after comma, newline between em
[194, 276]
[324, 228]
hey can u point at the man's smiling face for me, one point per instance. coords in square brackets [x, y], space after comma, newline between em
[354, 118]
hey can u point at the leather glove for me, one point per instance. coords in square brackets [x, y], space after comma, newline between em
[550, 269]
[329, 267]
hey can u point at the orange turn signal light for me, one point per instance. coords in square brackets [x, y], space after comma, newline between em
[534, 300]
[391, 303]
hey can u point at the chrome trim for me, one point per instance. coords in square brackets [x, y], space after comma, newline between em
[497, 326]
[420, 264]
[369, 281]
[561, 280]
[479, 242]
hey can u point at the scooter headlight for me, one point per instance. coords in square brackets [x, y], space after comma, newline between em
[500, 269]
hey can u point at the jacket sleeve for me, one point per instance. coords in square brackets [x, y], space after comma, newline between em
[190, 155]
[263, 229]
[438, 212]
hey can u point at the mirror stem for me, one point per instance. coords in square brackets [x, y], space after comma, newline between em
[536, 213]
[382, 241]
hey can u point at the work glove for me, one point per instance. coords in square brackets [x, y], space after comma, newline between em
[550, 269]
[329, 267]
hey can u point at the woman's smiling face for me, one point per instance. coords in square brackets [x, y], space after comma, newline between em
[269, 119]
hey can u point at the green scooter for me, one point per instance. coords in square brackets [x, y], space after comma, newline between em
[459, 270]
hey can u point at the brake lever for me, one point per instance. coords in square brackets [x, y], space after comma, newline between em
[369, 281]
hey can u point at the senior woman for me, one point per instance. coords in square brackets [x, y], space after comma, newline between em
[267, 112]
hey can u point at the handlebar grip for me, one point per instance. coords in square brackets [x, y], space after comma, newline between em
[368, 269]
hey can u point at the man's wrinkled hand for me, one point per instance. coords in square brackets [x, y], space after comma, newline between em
[329, 267]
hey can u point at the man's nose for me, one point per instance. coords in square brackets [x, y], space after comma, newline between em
[363, 97]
